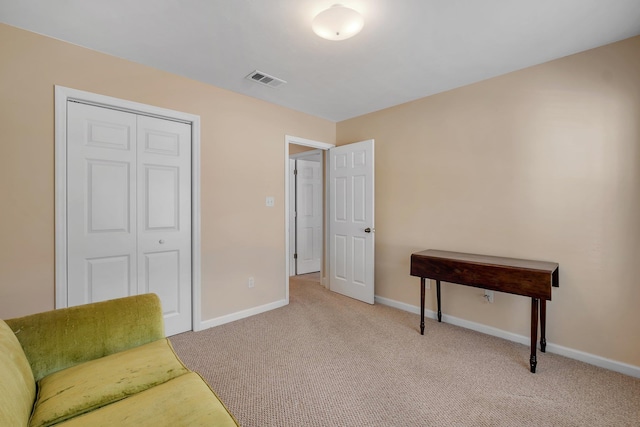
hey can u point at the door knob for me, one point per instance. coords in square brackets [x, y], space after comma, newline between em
[367, 230]
[161, 241]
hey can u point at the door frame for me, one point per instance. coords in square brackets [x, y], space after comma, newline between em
[62, 96]
[288, 139]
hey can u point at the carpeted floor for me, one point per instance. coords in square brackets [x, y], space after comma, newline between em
[328, 360]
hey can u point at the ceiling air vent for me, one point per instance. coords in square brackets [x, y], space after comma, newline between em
[265, 79]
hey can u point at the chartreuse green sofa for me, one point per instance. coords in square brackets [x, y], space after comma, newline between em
[100, 364]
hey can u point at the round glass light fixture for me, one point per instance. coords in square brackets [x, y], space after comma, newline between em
[337, 23]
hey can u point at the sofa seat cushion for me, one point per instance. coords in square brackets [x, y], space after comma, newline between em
[90, 385]
[17, 386]
[183, 401]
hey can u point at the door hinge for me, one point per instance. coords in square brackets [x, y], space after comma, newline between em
[295, 256]
[295, 171]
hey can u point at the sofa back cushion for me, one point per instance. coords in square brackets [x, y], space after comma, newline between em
[58, 339]
[17, 386]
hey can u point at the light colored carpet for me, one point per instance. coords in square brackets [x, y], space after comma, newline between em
[327, 360]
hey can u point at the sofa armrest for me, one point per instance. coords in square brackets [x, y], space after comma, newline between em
[59, 339]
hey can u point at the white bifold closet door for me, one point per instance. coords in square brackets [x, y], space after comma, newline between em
[129, 209]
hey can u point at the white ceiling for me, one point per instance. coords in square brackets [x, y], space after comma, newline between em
[408, 49]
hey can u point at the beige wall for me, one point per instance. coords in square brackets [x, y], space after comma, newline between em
[542, 163]
[297, 149]
[242, 162]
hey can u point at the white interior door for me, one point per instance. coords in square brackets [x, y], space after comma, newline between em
[101, 204]
[129, 210]
[164, 217]
[308, 216]
[351, 220]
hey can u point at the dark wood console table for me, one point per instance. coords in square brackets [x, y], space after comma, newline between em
[516, 276]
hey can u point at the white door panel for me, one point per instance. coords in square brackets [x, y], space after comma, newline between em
[359, 261]
[308, 216]
[164, 217]
[108, 278]
[351, 220]
[101, 204]
[129, 209]
[162, 195]
[339, 251]
[162, 277]
[108, 180]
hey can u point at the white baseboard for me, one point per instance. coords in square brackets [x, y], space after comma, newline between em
[613, 365]
[206, 324]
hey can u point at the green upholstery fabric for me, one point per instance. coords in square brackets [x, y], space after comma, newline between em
[100, 364]
[185, 401]
[17, 386]
[59, 339]
[90, 385]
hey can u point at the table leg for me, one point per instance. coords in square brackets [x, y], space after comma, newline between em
[543, 325]
[438, 293]
[534, 333]
[422, 285]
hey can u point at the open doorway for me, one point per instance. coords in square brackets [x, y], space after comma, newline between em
[349, 240]
[312, 155]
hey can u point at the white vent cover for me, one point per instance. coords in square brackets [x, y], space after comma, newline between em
[265, 79]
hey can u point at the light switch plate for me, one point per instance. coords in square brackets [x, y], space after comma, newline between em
[270, 201]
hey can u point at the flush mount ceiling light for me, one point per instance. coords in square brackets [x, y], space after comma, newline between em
[337, 23]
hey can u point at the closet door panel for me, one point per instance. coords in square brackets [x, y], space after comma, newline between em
[101, 206]
[164, 217]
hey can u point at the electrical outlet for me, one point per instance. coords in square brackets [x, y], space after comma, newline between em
[251, 282]
[488, 295]
[270, 202]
